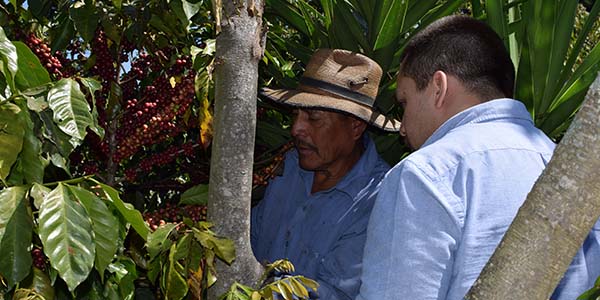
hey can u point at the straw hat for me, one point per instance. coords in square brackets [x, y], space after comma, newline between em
[338, 80]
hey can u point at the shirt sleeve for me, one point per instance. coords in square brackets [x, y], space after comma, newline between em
[411, 239]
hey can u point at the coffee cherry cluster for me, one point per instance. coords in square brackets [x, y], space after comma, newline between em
[39, 259]
[174, 214]
[161, 159]
[261, 177]
[105, 66]
[157, 116]
[44, 53]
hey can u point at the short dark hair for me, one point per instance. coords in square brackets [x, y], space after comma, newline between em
[465, 48]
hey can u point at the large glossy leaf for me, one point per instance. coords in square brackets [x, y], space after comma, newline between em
[71, 110]
[158, 241]
[390, 22]
[197, 195]
[57, 140]
[30, 160]
[16, 236]
[84, 18]
[10, 198]
[12, 132]
[30, 73]
[92, 86]
[176, 287]
[66, 233]
[104, 224]
[130, 214]
[40, 283]
[8, 59]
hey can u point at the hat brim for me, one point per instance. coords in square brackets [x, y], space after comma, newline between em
[303, 99]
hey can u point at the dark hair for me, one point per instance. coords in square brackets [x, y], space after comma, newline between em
[465, 48]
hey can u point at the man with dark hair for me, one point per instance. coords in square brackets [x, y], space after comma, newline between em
[316, 213]
[441, 212]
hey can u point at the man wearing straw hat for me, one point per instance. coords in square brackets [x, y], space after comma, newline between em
[316, 213]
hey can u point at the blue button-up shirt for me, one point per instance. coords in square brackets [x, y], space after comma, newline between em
[322, 234]
[442, 211]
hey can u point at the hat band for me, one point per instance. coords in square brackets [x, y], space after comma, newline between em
[338, 90]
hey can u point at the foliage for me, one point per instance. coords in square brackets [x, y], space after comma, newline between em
[81, 223]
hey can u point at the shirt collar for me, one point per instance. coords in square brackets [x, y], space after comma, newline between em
[504, 108]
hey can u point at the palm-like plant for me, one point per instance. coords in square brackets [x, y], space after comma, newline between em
[554, 69]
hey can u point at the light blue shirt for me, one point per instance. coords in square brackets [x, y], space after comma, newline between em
[322, 234]
[442, 211]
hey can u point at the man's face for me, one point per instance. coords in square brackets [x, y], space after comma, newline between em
[418, 122]
[324, 139]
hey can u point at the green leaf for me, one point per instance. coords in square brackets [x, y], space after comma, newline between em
[71, 110]
[131, 215]
[84, 19]
[223, 248]
[289, 13]
[8, 59]
[496, 18]
[125, 273]
[57, 140]
[104, 224]
[63, 33]
[40, 283]
[390, 22]
[10, 199]
[66, 233]
[12, 132]
[297, 288]
[196, 195]
[191, 9]
[176, 286]
[16, 236]
[30, 159]
[158, 241]
[30, 73]
[38, 192]
[93, 85]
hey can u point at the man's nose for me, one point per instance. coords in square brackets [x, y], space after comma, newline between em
[298, 126]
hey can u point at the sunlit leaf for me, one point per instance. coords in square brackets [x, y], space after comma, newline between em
[158, 240]
[30, 73]
[130, 214]
[30, 159]
[8, 59]
[71, 110]
[66, 233]
[103, 225]
[176, 287]
[390, 22]
[12, 132]
[15, 236]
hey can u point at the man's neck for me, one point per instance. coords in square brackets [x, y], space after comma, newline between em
[328, 178]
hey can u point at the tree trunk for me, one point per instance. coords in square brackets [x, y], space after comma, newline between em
[553, 222]
[239, 49]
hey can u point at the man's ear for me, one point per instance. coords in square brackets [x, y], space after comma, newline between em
[358, 128]
[440, 86]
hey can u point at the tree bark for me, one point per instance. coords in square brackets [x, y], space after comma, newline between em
[239, 50]
[556, 217]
